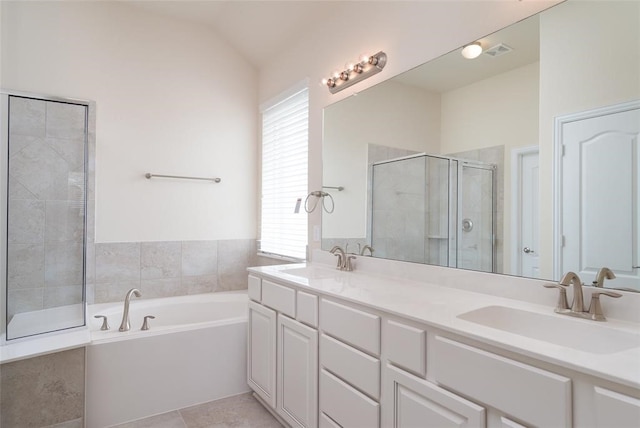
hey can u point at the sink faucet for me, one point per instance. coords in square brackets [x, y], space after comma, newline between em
[577, 307]
[578, 302]
[126, 325]
[365, 248]
[344, 260]
[603, 273]
[339, 253]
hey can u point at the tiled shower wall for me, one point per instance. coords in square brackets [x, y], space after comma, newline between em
[169, 268]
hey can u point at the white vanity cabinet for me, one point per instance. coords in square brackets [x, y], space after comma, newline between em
[282, 365]
[320, 361]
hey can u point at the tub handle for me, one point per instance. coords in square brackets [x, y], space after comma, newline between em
[105, 324]
[145, 324]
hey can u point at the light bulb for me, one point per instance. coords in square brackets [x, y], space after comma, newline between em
[324, 81]
[472, 51]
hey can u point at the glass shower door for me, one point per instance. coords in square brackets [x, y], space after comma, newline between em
[46, 221]
[476, 220]
[398, 207]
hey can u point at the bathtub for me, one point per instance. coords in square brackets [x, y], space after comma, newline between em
[194, 352]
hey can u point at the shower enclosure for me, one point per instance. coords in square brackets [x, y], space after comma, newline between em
[434, 210]
[44, 191]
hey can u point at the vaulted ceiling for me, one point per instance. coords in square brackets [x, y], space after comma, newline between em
[256, 29]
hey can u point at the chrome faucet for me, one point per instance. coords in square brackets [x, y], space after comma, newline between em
[125, 325]
[577, 307]
[603, 273]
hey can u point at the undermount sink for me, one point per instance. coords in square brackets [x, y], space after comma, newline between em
[587, 336]
[312, 272]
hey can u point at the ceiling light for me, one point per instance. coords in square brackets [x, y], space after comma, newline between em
[472, 51]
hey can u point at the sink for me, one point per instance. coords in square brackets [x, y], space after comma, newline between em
[312, 272]
[583, 335]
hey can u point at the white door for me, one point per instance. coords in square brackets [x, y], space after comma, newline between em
[600, 194]
[297, 373]
[529, 249]
[261, 344]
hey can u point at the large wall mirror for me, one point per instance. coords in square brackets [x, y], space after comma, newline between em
[522, 161]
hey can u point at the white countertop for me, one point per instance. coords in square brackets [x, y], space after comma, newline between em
[439, 306]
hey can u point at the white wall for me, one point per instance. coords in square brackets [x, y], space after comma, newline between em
[172, 98]
[407, 119]
[411, 33]
[572, 36]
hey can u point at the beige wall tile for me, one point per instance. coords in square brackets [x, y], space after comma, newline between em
[43, 391]
[117, 262]
[199, 258]
[160, 260]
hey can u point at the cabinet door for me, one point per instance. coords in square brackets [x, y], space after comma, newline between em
[412, 402]
[297, 373]
[261, 349]
[616, 410]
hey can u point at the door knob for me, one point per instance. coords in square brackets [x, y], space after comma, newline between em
[527, 250]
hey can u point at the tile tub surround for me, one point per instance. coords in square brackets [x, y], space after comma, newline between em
[44, 391]
[169, 268]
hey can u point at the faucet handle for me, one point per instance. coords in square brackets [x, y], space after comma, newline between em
[105, 324]
[595, 309]
[563, 303]
[145, 323]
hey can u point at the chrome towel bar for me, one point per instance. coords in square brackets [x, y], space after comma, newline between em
[148, 175]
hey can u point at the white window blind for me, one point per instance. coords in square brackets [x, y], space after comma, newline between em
[284, 176]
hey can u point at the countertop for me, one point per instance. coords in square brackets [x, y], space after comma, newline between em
[441, 306]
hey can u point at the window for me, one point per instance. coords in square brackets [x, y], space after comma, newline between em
[284, 176]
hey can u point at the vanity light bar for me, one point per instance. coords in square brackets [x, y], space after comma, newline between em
[368, 66]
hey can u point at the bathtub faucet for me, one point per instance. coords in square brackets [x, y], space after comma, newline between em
[126, 325]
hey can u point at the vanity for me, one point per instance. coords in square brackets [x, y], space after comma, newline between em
[329, 348]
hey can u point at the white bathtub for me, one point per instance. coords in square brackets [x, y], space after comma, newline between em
[194, 352]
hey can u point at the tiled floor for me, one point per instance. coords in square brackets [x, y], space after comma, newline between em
[240, 411]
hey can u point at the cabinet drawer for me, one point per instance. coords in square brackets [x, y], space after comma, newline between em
[353, 326]
[505, 384]
[254, 289]
[308, 309]
[280, 298]
[406, 347]
[357, 368]
[345, 405]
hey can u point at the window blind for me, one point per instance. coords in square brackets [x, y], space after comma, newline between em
[284, 176]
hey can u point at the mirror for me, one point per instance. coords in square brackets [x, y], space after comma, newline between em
[453, 162]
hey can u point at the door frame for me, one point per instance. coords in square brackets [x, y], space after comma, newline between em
[516, 204]
[558, 153]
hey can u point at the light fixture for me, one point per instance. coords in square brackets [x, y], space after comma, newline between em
[472, 51]
[353, 73]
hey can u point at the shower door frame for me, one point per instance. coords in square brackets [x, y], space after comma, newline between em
[89, 210]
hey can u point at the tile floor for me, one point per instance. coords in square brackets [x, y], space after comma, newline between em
[240, 411]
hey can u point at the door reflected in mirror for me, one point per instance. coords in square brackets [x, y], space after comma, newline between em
[504, 110]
